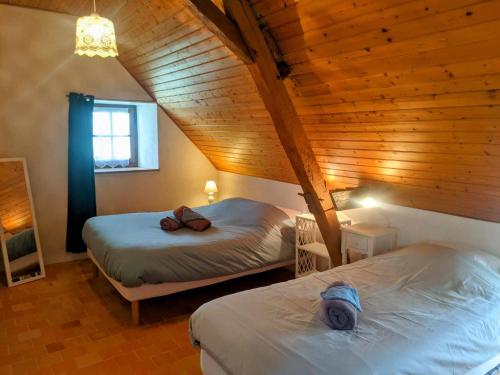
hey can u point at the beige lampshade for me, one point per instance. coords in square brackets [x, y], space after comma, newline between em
[211, 187]
[95, 36]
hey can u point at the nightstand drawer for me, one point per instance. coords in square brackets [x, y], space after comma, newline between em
[355, 241]
[366, 240]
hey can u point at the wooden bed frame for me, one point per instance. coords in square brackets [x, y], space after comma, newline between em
[146, 291]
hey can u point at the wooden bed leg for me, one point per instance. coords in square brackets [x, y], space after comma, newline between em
[136, 318]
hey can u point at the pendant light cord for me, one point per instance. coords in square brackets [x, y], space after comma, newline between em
[95, 11]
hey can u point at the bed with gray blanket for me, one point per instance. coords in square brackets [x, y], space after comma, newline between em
[21, 244]
[427, 309]
[245, 235]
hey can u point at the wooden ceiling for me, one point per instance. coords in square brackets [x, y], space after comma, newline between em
[15, 207]
[402, 93]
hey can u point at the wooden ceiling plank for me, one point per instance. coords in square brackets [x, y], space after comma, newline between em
[249, 155]
[459, 100]
[402, 173]
[485, 125]
[432, 185]
[156, 42]
[234, 92]
[372, 22]
[423, 157]
[211, 79]
[330, 69]
[192, 61]
[349, 36]
[164, 46]
[214, 97]
[429, 166]
[418, 147]
[224, 112]
[403, 115]
[242, 102]
[487, 138]
[210, 67]
[237, 126]
[412, 75]
[178, 52]
[407, 37]
[452, 85]
[265, 146]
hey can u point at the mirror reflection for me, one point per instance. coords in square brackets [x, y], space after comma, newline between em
[21, 254]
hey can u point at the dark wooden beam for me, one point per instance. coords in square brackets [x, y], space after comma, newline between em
[288, 126]
[217, 22]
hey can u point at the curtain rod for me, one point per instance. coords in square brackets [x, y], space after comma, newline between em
[120, 100]
[125, 100]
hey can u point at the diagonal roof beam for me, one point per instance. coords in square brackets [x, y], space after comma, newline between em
[217, 22]
[277, 101]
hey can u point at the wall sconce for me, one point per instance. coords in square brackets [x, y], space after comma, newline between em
[345, 199]
[211, 189]
[369, 202]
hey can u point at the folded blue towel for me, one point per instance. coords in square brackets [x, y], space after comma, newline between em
[342, 293]
[338, 314]
[339, 305]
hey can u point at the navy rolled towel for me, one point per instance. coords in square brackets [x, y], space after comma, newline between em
[338, 314]
[340, 306]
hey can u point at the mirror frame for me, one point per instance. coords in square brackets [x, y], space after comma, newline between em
[3, 242]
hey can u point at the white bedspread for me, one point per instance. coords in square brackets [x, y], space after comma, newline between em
[427, 309]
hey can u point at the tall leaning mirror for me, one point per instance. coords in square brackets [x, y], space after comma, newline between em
[21, 253]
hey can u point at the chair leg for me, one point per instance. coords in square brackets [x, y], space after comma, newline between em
[136, 318]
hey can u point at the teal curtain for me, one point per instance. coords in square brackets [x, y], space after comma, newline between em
[81, 182]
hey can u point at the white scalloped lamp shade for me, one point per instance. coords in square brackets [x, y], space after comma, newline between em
[95, 36]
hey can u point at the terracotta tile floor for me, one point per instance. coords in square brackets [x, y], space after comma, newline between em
[72, 323]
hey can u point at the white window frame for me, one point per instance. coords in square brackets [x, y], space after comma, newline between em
[132, 110]
[147, 135]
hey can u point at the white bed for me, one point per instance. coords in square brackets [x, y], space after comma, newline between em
[428, 309]
[145, 291]
[209, 366]
[142, 261]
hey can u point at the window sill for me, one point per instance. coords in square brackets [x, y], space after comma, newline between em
[124, 170]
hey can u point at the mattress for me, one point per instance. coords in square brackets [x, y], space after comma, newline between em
[245, 234]
[427, 309]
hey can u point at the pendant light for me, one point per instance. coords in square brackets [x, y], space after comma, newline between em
[95, 36]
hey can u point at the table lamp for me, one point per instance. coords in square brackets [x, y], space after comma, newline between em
[211, 189]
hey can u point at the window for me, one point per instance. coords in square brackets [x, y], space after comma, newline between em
[125, 136]
[115, 136]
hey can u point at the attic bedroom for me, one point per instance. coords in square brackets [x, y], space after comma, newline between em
[249, 187]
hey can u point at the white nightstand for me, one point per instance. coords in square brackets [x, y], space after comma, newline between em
[367, 240]
[309, 245]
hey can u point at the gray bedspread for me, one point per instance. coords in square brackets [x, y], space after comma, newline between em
[133, 249]
[21, 244]
[427, 309]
